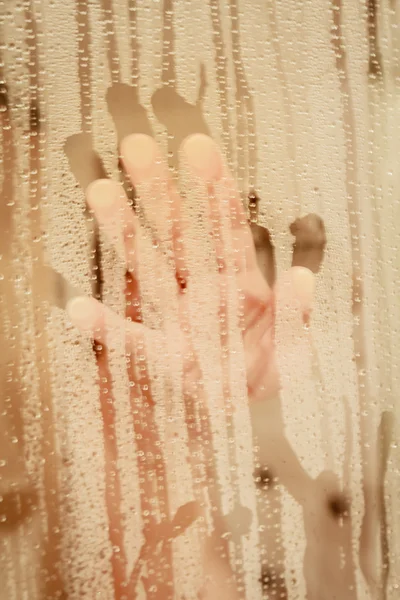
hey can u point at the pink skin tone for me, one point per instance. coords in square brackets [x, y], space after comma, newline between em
[143, 163]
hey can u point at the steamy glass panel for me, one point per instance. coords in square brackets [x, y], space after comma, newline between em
[199, 291]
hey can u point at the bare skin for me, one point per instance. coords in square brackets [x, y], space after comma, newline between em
[143, 163]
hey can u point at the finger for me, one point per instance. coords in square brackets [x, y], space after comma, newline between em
[109, 329]
[115, 217]
[295, 290]
[101, 323]
[150, 175]
[205, 160]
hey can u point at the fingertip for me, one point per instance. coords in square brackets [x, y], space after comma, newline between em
[83, 313]
[102, 195]
[303, 281]
[296, 286]
[203, 156]
[138, 153]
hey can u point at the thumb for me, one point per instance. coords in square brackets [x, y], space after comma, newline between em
[293, 295]
[294, 292]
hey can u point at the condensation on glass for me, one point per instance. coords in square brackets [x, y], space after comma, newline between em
[291, 498]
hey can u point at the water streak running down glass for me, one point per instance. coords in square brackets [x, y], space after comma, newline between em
[198, 299]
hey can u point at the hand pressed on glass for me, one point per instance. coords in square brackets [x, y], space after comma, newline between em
[142, 161]
[256, 309]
